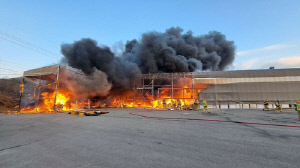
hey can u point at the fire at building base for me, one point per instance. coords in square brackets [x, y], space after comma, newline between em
[60, 88]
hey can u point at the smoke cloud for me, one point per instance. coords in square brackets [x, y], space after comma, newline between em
[87, 56]
[82, 86]
[171, 51]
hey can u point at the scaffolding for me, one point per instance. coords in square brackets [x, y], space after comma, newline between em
[233, 89]
[174, 86]
[36, 81]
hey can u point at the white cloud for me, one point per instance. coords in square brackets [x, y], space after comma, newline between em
[20, 73]
[247, 64]
[264, 49]
[286, 62]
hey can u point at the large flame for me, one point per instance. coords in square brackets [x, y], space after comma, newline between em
[183, 93]
[46, 103]
[186, 93]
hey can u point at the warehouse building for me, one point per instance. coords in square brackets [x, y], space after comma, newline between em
[249, 88]
[223, 89]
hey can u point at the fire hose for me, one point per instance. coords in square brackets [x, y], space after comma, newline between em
[201, 119]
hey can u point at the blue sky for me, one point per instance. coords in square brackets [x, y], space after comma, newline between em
[266, 32]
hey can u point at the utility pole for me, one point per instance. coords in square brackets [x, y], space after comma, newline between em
[193, 86]
[133, 93]
[152, 90]
[172, 88]
[56, 87]
[22, 87]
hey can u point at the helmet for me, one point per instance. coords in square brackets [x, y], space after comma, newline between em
[278, 100]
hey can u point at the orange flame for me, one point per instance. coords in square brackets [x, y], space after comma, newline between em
[46, 103]
[184, 93]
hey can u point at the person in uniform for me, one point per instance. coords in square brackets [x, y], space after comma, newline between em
[205, 108]
[164, 104]
[174, 104]
[266, 103]
[278, 106]
[179, 104]
[197, 103]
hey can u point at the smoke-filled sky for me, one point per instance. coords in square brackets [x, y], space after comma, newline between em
[266, 33]
[155, 52]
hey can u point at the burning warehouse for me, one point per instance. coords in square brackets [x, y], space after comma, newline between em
[58, 87]
[161, 66]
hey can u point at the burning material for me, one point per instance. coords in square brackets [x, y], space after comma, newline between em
[104, 79]
[40, 94]
[46, 103]
[153, 97]
[51, 96]
[95, 113]
[60, 88]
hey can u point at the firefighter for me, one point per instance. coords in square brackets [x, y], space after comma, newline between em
[297, 108]
[164, 104]
[205, 108]
[174, 104]
[196, 104]
[179, 105]
[266, 103]
[278, 106]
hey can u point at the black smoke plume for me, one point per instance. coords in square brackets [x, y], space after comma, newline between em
[171, 51]
[87, 56]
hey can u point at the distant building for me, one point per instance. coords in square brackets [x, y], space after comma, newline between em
[250, 86]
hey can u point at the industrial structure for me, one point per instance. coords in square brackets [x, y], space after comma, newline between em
[37, 81]
[243, 89]
[223, 89]
[238, 89]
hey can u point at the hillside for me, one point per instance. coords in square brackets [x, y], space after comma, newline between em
[9, 93]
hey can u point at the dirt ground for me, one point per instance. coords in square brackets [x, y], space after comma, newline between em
[152, 138]
[9, 94]
[7, 104]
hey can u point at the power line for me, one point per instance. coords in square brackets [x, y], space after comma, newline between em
[27, 43]
[9, 70]
[13, 64]
[29, 48]
[21, 29]
[11, 74]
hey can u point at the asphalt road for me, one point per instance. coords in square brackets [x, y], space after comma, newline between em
[118, 139]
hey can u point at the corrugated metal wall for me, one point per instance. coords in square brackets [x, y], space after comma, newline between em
[248, 88]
